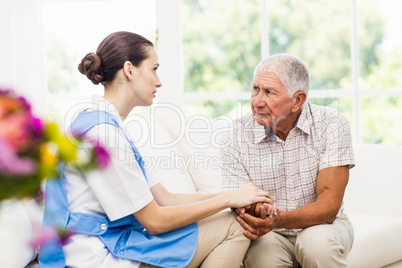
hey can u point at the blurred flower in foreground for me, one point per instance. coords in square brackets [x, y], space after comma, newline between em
[51, 233]
[31, 149]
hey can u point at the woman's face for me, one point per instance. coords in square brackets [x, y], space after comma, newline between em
[146, 80]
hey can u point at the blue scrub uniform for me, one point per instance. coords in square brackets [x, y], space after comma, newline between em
[125, 237]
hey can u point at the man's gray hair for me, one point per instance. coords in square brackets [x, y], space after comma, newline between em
[290, 69]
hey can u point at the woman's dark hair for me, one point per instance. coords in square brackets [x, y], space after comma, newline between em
[112, 53]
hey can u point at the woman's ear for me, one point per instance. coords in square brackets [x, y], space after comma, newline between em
[299, 98]
[128, 69]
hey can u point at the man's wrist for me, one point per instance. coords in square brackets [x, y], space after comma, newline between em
[276, 222]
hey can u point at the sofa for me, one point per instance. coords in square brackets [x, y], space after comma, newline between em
[184, 152]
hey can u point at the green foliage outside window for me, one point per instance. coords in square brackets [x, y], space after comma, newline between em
[221, 42]
[60, 66]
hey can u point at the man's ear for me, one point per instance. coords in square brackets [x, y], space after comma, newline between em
[128, 69]
[299, 98]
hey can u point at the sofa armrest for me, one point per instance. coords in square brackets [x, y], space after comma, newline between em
[375, 182]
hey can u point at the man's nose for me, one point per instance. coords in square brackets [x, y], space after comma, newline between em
[258, 100]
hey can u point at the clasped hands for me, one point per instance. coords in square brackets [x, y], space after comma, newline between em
[257, 219]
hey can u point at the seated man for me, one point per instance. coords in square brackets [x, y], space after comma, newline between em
[301, 154]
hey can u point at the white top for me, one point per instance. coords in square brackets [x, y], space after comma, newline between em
[117, 191]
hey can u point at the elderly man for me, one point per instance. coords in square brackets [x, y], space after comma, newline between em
[301, 153]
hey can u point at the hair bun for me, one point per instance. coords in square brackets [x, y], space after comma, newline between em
[91, 67]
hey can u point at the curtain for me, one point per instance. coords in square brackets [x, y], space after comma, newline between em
[22, 51]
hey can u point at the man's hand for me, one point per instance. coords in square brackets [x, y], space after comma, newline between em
[261, 210]
[264, 210]
[257, 219]
[255, 227]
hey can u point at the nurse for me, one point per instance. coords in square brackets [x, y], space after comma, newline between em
[122, 216]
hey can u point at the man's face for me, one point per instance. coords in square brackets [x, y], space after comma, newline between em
[270, 102]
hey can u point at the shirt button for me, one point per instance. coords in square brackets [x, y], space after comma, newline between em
[103, 226]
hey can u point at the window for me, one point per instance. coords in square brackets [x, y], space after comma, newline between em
[351, 47]
[208, 50]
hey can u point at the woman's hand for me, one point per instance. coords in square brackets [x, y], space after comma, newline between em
[247, 195]
[160, 216]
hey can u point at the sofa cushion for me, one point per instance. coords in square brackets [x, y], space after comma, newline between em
[397, 264]
[198, 140]
[160, 152]
[377, 240]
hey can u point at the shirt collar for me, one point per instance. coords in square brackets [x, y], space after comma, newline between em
[259, 132]
[100, 103]
[303, 123]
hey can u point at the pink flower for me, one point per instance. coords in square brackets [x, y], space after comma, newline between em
[49, 234]
[102, 156]
[36, 126]
[24, 103]
[10, 163]
[15, 116]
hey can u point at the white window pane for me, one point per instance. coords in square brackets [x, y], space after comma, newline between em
[381, 119]
[380, 23]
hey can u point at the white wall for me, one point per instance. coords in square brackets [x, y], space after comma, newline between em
[22, 51]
